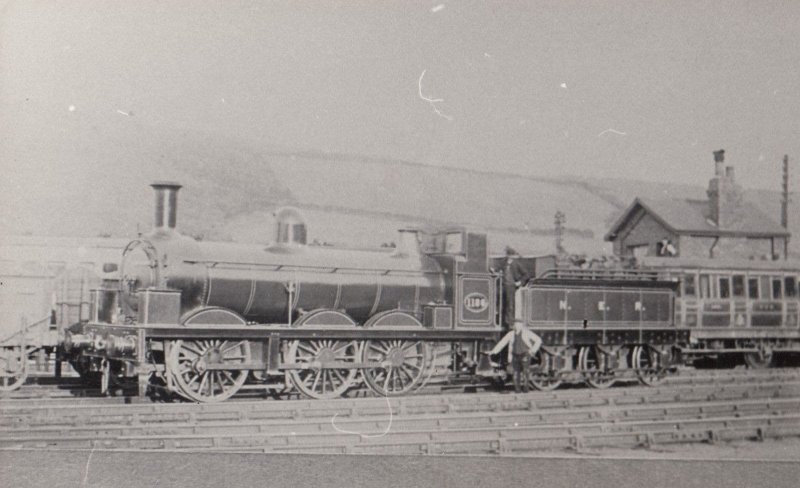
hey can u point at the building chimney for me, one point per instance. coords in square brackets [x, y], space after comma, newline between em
[719, 162]
[724, 195]
[166, 204]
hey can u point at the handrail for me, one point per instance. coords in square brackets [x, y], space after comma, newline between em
[228, 265]
[25, 328]
[599, 274]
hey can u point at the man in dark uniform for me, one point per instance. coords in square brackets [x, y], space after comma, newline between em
[514, 276]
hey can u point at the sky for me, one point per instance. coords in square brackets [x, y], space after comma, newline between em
[621, 89]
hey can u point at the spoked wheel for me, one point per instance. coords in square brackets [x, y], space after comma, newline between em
[316, 381]
[544, 374]
[402, 365]
[189, 362]
[437, 359]
[647, 363]
[13, 369]
[592, 363]
[759, 360]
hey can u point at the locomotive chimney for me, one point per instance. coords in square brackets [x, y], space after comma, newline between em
[166, 204]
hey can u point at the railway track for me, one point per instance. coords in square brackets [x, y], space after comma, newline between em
[704, 408]
[70, 389]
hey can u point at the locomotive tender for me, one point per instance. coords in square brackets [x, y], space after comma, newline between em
[209, 319]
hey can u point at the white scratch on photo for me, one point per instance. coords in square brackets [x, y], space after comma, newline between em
[86, 468]
[370, 436]
[432, 101]
[612, 131]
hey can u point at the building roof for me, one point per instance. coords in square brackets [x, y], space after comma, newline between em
[729, 264]
[693, 217]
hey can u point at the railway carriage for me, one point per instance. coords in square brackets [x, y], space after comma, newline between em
[45, 285]
[210, 319]
[735, 307]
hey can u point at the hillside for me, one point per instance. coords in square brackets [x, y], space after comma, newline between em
[231, 187]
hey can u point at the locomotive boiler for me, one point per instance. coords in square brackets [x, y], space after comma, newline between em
[278, 282]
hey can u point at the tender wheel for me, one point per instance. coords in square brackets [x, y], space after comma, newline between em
[759, 360]
[188, 364]
[647, 363]
[592, 363]
[402, 365]
[13, 370]
[544, 373]
[316, 381]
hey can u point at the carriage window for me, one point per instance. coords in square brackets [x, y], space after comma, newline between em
[789, 287]
[724, 287]
[738, 285]
[688, 285]
[705, 286]
[752, 288]
[776, 289]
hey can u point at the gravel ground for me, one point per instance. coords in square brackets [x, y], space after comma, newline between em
[768, 450]
[772, 464]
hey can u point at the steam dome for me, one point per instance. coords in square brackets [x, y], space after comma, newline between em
[290, 227]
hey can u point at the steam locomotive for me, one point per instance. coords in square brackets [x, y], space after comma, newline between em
[206, 320]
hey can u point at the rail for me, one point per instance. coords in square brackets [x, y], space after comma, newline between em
[452, 423]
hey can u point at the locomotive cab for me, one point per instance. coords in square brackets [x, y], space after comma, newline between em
[471, 287]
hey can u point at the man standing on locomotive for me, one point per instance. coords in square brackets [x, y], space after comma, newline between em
[522, 344]
[514, 276]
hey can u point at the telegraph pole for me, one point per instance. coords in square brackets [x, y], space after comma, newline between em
[785, 204]
[560, 220]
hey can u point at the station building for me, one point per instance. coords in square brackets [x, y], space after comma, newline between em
[724, 226]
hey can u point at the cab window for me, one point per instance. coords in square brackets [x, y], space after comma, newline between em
[738, 286]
